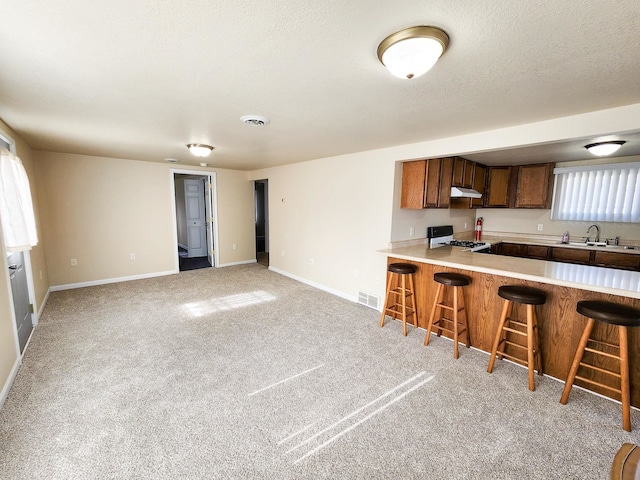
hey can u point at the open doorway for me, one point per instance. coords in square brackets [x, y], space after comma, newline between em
[261, 198]
[195, 222]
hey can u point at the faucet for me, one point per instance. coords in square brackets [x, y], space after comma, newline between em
[597, 233]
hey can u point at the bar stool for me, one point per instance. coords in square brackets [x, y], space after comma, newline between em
[395, 302]
[621, 316]
[530, 297]
[457, 281]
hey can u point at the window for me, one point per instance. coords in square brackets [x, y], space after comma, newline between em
[7, 143]
[604, 193]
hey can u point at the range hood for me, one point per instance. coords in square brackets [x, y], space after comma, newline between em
[461, 192]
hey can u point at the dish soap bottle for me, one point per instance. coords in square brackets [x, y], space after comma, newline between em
[565, 237]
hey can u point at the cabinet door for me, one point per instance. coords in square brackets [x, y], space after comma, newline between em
[514, 249]
[626, 261]
[570, 255]
[537, 251]
[444, 189]
[462, 172]
[497, 193]
[479, 177]
[534, 186]
[432, 183]
[413, 184]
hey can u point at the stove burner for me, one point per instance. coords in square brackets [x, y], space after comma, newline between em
[466, 243]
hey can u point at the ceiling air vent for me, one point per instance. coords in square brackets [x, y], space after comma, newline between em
[255, 120]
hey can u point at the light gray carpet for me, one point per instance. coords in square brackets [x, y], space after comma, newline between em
[242, 373]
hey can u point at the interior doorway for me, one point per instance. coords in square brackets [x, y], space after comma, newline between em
[195, 219]
[261, 198]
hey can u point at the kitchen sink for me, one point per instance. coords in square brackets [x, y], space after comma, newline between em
[598, 244]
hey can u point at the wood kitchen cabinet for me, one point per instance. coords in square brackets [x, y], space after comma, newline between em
[571, 255]
[498, 191]
[534, 186]
[463, 171]
[426, 183]
[624, 261]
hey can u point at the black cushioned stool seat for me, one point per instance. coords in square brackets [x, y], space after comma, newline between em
[623, 317]
[509, 326]
[458, 324]
[399, 302]
[522, 294]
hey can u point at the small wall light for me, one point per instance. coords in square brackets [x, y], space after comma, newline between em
[199, 149]
[412, 52]
[603, 149]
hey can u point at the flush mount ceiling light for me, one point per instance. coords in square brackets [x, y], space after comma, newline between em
[171, 160]
[255, 120]
[199, 149]
[602, 149]
[412, 52]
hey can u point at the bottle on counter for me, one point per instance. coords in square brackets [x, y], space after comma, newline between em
[565, 237]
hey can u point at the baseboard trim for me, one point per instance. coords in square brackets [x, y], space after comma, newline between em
[316, 285]
[10, 379]
[243, 262]
[70, 286]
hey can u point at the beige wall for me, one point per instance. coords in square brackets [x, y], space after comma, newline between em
[100, 210]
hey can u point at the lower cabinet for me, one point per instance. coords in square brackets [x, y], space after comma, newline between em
[582, 256]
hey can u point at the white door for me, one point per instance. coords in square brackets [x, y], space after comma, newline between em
[209, 219]
[196, 228]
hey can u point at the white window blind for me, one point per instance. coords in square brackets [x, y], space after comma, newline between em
[605, 193]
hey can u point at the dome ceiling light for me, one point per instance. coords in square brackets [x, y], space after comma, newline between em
[412, 52]
[602, 149]
[199, 149]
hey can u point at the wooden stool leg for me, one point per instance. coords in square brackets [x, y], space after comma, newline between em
[386, 300]
[503, 338]
[576, 361]
[530, 341]
[404, 305]
[536, 344]
[413, 301]
[624, 378]
[496, 341]
[455, 322]
[433, 314]
[466, 319]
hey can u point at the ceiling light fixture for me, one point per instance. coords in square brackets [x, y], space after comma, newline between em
[412, 52]
[199, 149]
[602, 149]
[171, 160]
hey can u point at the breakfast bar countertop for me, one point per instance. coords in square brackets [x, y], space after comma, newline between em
[597, 279]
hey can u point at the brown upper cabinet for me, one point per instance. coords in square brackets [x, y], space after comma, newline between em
[463, 171]
[498, 191]
[534, 186]
[426, 183]
[479, 179]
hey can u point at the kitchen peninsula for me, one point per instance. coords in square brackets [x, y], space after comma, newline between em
[564, 283]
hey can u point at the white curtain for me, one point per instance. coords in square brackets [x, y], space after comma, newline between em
[16, 206]
[605, 193]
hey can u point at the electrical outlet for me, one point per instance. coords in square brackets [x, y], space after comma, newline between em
[311, 262]
[235, 246]
[411, 231]
[132, 256]
[355, 274]
[74, 262]
[539, 227]
[282, 254]
[40, 274]
[465, 225]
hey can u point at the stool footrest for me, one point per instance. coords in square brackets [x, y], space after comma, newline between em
[513, 344]
[438, 325]
[601, 370]
[600, 352]
[517, 332]
[599, 384]
[515, 359]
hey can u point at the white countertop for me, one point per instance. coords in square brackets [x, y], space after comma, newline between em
[597, 279]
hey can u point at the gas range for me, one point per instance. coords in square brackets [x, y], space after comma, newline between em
[443, 235]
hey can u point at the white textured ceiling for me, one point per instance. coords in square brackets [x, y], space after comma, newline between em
[140, 79]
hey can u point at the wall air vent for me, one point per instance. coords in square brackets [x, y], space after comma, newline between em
[368, 300]
[255, 120]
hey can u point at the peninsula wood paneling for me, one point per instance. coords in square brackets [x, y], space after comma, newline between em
[559, 323]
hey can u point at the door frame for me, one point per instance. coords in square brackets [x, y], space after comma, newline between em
[213, 226]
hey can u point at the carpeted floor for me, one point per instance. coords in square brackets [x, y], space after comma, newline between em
[241, 373]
